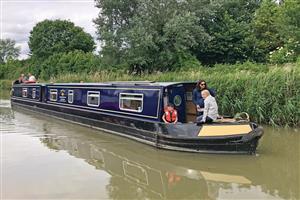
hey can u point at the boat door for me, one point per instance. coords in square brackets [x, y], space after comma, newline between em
[43, 93]
[177, 97]
[189, 105]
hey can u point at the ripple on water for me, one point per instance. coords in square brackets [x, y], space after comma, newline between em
[4, 103]
[55, 159]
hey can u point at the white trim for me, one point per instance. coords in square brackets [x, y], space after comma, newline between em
[95, 94]
[71, 91]
[53, 91]
[131, 98]
[23, 90]
[33, 92]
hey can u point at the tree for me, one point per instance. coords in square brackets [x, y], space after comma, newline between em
[8, 50]
[265, 28]
[164, 34]
[230, 31]
[149, 35]
[113, 21]
[72, 62]
[289, 24]
[49, 37]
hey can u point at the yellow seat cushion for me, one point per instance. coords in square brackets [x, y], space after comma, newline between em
[220, 130]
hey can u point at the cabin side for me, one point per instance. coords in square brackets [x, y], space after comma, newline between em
[28, 92]
[145, 102]
[126, 100]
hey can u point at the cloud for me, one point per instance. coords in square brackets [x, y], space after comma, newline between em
[19, 17]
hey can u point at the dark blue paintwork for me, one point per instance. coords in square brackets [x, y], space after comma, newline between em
[174, 91]
[17, 91]
[153, 97]
[109, 99]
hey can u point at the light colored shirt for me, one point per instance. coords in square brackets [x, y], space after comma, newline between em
[210, 108]
[31, 78]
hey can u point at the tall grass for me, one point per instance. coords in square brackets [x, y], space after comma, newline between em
[270, 94]
[5, 84]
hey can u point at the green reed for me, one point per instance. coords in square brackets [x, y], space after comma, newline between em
[270, 94]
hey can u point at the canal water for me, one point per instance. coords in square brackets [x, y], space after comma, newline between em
[43, 157]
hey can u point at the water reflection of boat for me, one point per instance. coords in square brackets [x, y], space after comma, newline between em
[141, 172]
[155, 178]
[135, 109]
[148, 172]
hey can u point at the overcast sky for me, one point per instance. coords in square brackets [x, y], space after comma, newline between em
[18, 17]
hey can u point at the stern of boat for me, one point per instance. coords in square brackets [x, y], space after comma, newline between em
[238, 138]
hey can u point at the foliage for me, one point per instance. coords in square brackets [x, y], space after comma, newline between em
[266, 28]
[62, 63]
[112, 23]
[270, 94]
[229, 44]
[282, 55]
[59, 63]
[49, 37]
[4, 86]
[171, 40]
[13, 68]
[149, 35]
[161, 35]
[8, 50]
[229, 28]
[289, 24]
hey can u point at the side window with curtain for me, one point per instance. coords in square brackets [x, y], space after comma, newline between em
[131, 102]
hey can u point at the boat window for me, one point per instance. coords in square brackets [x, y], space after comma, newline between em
[53, 95]
[189, 96]
[24, 92]
[93, 98]
[131, 102]
[33, 94]
[70, 96]
[177, 100]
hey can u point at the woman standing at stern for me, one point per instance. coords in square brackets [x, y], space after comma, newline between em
[197, 97]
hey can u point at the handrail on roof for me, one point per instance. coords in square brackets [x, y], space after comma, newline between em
[131, 82]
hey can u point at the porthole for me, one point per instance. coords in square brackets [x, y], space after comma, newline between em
[177, 100]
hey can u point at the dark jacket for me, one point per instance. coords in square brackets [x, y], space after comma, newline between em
[197, 98]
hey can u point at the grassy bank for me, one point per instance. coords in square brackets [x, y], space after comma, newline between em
[5, 84]
[270, 94]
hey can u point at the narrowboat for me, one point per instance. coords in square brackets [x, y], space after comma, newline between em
[135, 109]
